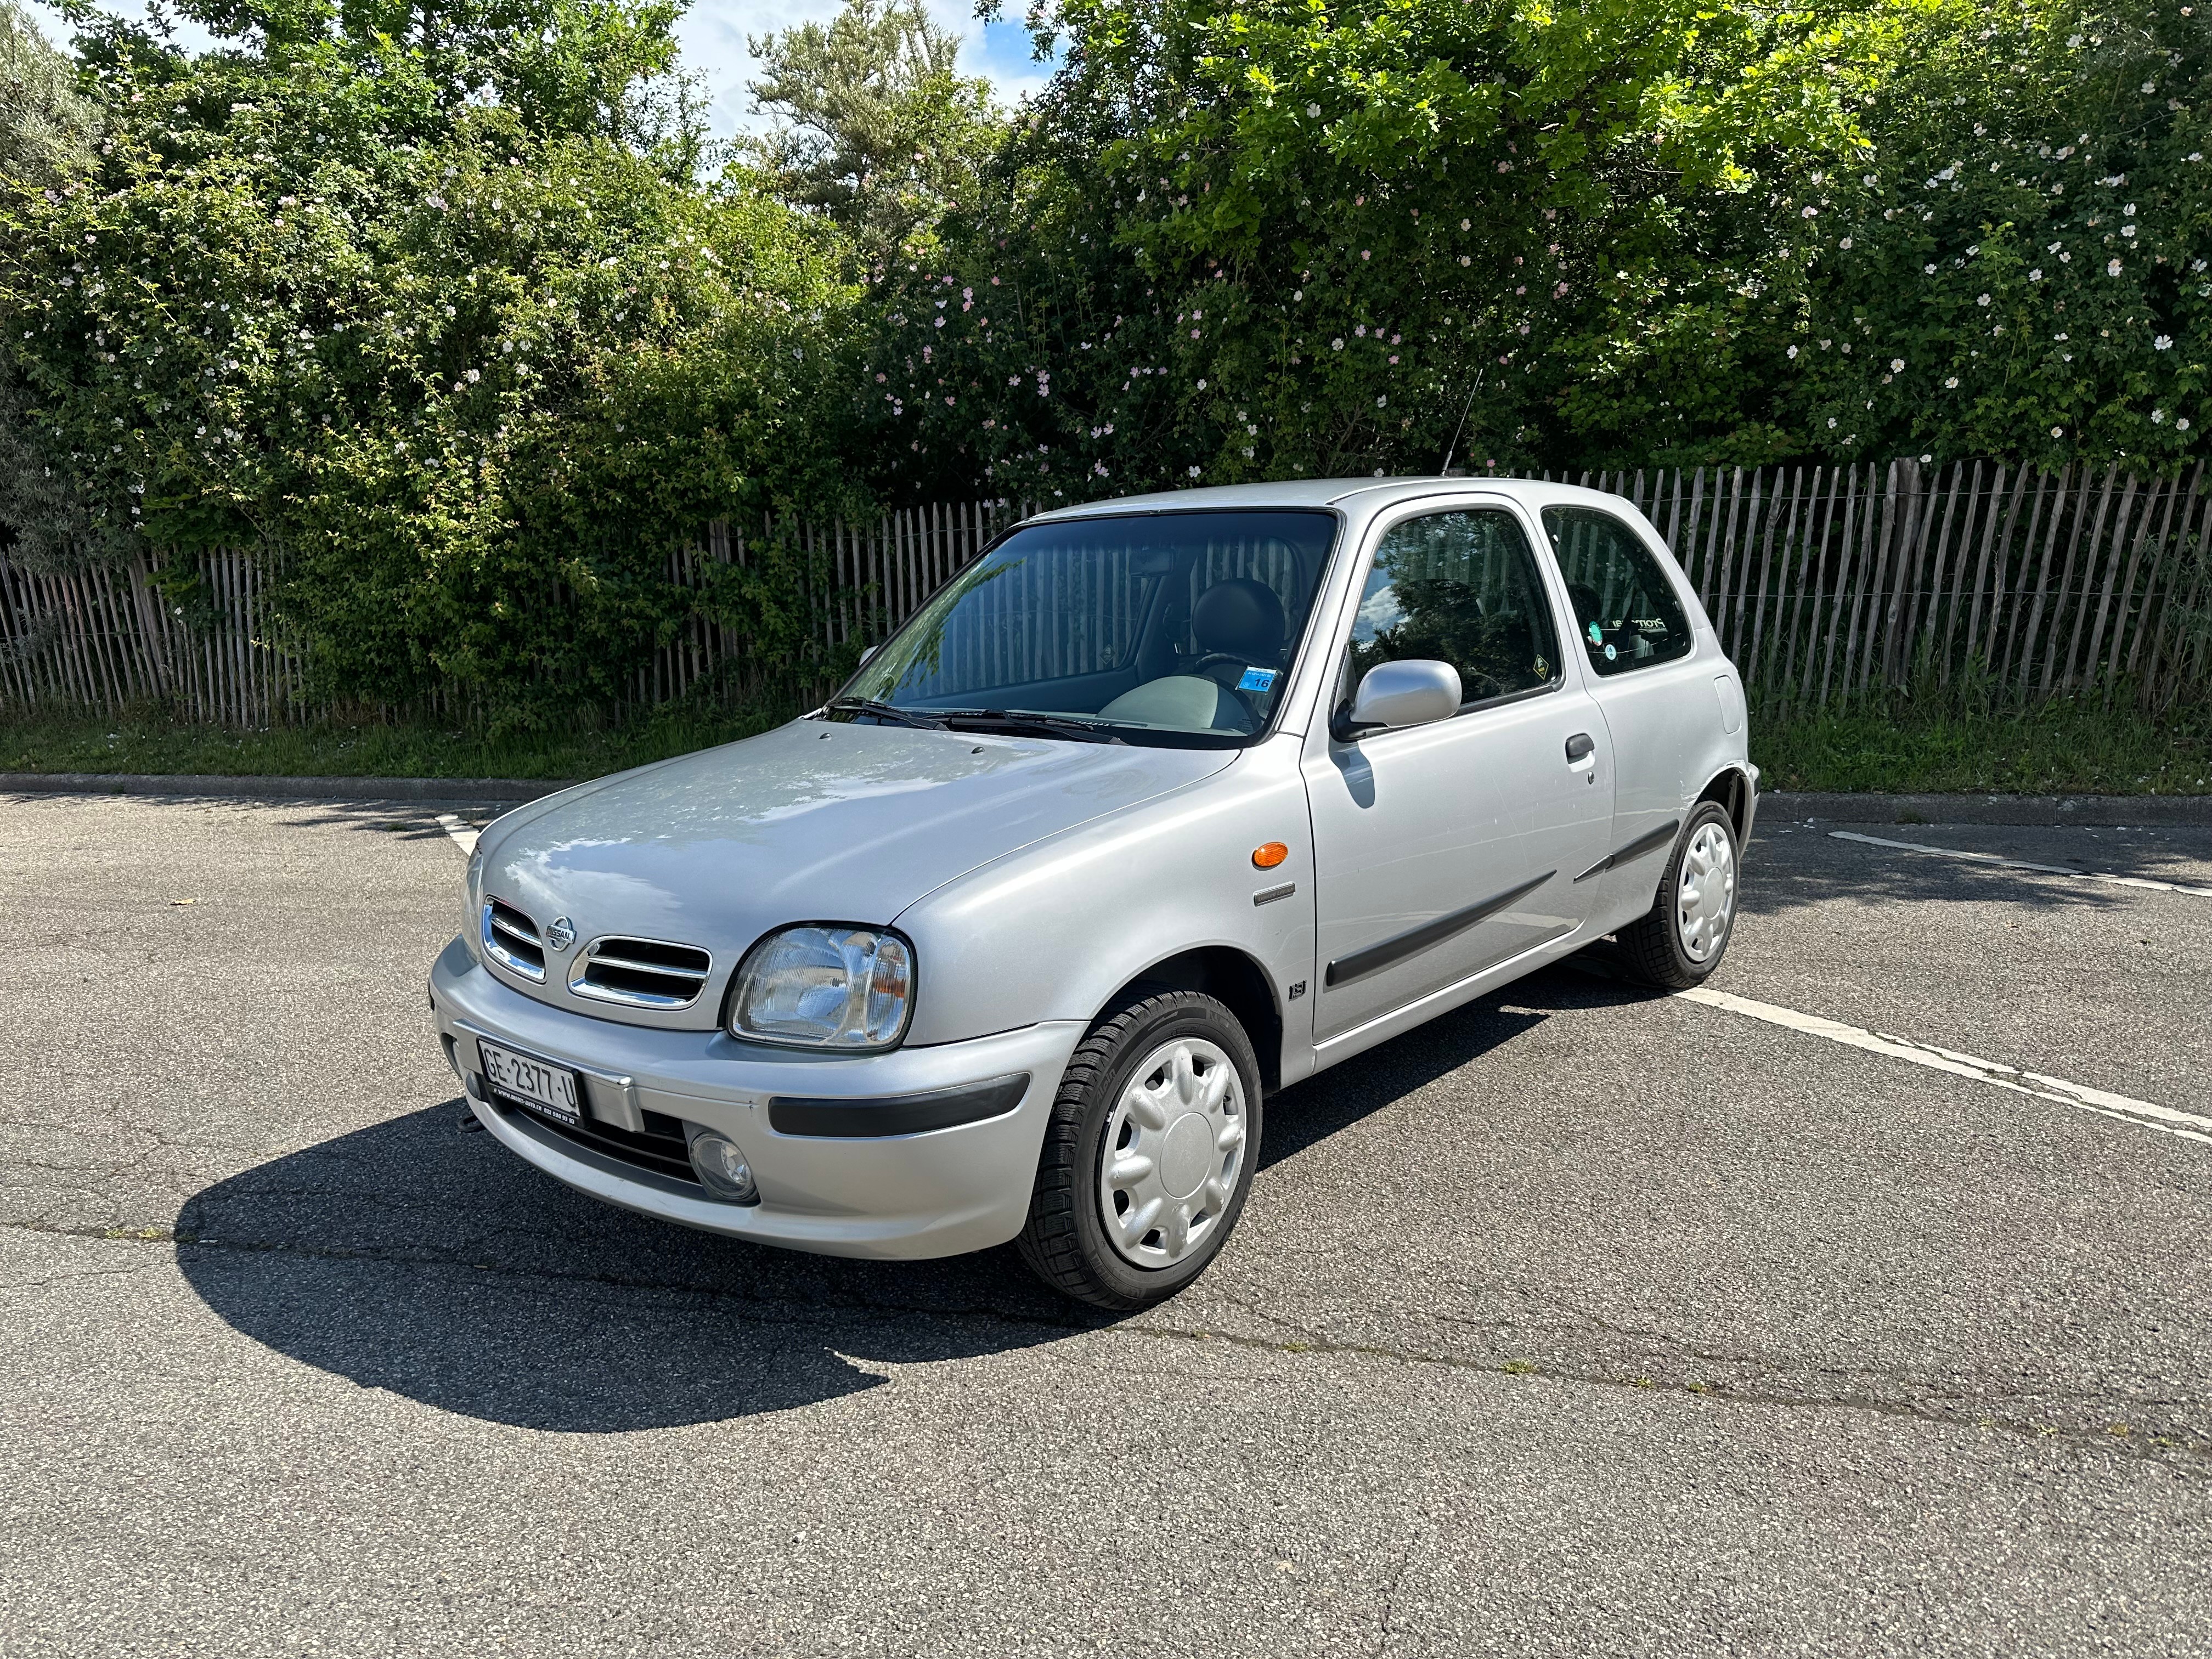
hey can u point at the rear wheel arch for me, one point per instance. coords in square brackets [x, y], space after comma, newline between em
[1232, 978]
[1731, 789]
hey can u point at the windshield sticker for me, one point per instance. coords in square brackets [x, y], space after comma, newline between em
[1256, 679]
[1610, 653]
[1597, 635]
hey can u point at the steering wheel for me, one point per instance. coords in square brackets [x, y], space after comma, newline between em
[1213, 657]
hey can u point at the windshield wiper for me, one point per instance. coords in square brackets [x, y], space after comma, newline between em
[884, 711]
[1059, 725]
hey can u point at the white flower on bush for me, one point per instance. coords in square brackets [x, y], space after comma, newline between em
[2113, 268]
[1845, 245]
[1313, 112]
[1811, 212]
[1793, 352]
[2035, 275]
[1831, 423]
[2065, 259]
[1952, 384]
[1927, 270]
[1981, 299]
[2157, 417]
[2058, 431]
[1336, 344]
[2163, 343]
[1897, 365]
[1194, 472]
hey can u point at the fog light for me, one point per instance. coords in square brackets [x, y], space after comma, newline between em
[722, 1169]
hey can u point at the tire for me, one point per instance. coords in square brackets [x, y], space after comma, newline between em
[1124, 1082]
[1667, 949]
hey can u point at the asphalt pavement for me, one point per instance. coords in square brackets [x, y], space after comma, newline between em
[1580, 1321]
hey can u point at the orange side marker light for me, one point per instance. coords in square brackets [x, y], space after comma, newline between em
[1268, 856]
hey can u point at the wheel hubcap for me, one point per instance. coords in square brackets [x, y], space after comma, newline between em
[1704, 897]
[1174, 1152]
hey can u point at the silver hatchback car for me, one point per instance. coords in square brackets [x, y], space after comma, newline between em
[1160, 805]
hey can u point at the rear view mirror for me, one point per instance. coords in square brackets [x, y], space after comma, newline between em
[1400, 694]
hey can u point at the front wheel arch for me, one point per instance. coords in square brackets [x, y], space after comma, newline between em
[1232, 978]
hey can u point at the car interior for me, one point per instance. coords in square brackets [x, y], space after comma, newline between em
[1182, 623]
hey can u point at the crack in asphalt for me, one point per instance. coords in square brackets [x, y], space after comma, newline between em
[2189, 1454]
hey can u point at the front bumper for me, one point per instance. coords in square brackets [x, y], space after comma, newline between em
[936, 1193]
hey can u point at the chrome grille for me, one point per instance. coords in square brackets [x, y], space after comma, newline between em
[642, 973]
[511, 938]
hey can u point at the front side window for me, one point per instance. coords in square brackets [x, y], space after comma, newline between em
[1461, 588]
[1626, 609]
[1163, 628]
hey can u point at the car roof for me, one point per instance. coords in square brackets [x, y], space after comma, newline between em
[1361, 497]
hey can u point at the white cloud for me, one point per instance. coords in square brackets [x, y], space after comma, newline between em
[713, 36]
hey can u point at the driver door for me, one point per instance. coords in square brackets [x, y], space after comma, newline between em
[1442, 850]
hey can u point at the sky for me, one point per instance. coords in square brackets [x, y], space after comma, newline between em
[713, 34]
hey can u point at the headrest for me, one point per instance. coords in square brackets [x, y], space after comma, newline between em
[1239, 617]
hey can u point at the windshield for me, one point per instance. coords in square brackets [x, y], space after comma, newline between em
[1159, 627]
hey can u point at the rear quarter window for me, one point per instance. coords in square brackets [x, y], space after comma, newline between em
[1626, 612]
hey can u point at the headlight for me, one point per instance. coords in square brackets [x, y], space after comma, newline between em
[828, 986]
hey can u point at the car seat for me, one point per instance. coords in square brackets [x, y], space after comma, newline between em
[1237, 623]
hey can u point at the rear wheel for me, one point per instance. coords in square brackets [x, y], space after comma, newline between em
[1149, 1152]
[1682, 938]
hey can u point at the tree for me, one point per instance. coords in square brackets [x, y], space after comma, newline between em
[876, 126]
[1263, 237]
[435, 313]
[47, 130]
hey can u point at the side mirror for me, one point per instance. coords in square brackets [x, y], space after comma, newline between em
[1398, 694]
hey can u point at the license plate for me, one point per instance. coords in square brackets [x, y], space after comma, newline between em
[547, 1089]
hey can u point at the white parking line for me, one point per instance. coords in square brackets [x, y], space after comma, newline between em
[2189, 1126]
[2023, 864]
[464, 836]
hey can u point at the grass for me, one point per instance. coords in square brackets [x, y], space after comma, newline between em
[1896, 744]
[148, 740]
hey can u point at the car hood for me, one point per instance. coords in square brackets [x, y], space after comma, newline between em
[812, 822]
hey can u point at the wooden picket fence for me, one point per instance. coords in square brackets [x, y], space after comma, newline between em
[1824, 582]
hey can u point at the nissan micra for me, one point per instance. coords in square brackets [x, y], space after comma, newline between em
[1160, 805]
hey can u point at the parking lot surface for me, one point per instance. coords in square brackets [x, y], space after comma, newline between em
[1582, 1320]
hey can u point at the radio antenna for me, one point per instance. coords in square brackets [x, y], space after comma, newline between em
[1452, 448]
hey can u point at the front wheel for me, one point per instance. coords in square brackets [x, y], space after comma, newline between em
[1683, 937]
[1149, 1153]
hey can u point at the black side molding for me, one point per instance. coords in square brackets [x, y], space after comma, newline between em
[1635, 849]
[1376, 957]
[898, 1115]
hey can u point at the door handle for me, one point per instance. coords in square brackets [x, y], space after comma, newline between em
[1578, 745]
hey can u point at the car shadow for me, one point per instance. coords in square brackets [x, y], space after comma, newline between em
[415, 1257]
[1808, 869]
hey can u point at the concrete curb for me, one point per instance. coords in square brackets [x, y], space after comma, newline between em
[2026, 810]
[2110, 811]
[459, 792]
